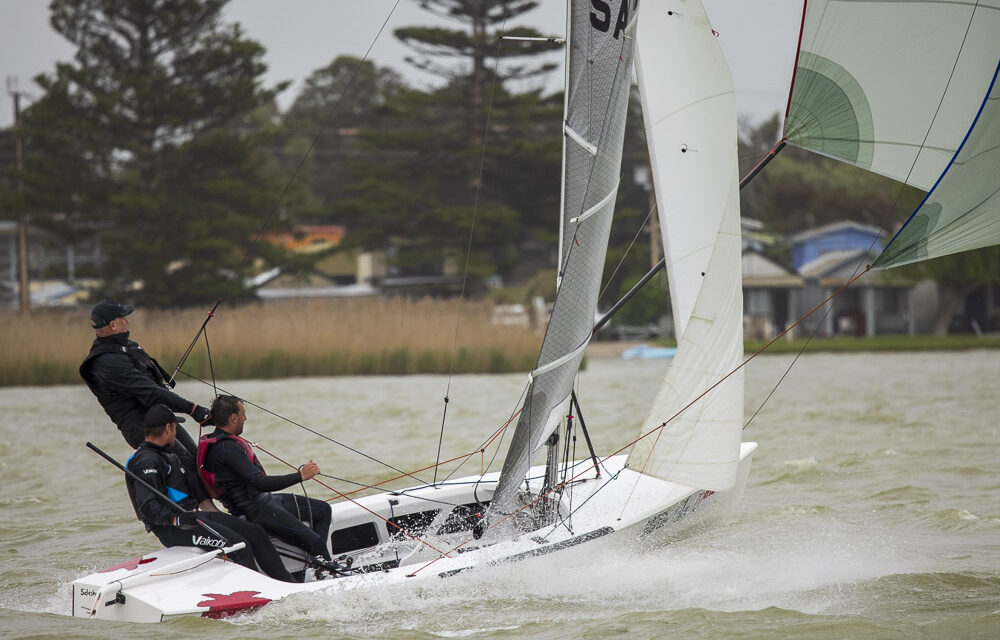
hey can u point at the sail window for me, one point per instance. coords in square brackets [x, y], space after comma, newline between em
[412, 523]
[360, 536]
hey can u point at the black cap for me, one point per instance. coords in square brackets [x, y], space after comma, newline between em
[159, 415]
[105, 312]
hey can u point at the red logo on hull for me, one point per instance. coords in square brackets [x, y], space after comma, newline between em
[221, 606]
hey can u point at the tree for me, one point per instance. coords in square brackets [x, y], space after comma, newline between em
[465, 54]
[419, 181]
[339, 103]
[141, 133]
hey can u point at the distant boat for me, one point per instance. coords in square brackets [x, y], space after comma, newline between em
[646, 352]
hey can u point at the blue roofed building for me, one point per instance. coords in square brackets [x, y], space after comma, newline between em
[843, 236]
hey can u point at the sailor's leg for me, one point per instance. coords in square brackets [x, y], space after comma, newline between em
[258, 543]
[196, 536]
[316, 513]
[283, 525]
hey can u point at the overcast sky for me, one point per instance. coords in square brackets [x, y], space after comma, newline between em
[758, 36]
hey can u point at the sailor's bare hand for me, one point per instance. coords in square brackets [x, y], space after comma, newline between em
[309, 470]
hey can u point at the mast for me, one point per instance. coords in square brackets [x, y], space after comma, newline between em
[562, 169]
[599, 73]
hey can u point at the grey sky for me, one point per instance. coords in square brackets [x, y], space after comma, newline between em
[758, 36]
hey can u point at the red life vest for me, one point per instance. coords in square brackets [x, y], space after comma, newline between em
[207, 478]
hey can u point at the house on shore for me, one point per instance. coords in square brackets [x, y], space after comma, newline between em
[830, 258]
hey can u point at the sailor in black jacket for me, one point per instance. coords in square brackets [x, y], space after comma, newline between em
[174, 476]
[127, 381]
[232, 473]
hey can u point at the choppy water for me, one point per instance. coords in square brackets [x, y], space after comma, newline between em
[873, 509]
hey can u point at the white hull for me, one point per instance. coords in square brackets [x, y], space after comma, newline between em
[185, 581]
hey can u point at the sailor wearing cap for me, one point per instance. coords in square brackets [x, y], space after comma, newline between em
[127, 381]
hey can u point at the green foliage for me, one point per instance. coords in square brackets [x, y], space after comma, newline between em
[339, 103]
[420, 183]
[876, 343]
[141, 138]
[648, 304]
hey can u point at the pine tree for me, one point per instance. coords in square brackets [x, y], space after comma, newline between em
[469, 58]
[141, 136]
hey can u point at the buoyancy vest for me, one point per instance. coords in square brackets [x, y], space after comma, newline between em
[207, 477]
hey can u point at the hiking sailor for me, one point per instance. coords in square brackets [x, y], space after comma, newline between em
[127, 381]
[174, 476]
[232, 473]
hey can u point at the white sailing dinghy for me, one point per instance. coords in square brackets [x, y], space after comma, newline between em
[932, 128]
[688, 454]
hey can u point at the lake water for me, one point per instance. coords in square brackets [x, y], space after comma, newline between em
[872, 510]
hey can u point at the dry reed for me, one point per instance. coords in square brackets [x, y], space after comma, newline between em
[283, 339]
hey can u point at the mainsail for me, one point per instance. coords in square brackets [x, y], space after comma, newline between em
[892, 87]
[690, 117]
[599, 74]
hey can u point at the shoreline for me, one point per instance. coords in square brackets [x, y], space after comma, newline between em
[349, 337]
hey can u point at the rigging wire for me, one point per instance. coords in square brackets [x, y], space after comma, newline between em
[358, 504]
[628, 249]
[472, 229]
[312, 431]
[402, 474]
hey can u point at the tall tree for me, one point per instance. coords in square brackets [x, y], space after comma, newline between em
[337, 106]
[421, 181]
[463, 57]
[146, 123]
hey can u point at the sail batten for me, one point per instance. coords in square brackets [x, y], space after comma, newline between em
[599, 71]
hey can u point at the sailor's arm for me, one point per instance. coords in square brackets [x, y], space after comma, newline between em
[236, 460]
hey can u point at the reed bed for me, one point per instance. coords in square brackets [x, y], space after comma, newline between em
[371, 336]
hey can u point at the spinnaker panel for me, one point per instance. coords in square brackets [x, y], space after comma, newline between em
[891, 86]
[962, 211]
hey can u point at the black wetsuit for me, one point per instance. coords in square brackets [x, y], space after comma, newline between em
[127, 382]
[247, 492]
[172, 475]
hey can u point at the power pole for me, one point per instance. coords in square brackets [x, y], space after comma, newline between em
[22, 217]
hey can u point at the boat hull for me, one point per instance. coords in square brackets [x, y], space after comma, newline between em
[628, 506]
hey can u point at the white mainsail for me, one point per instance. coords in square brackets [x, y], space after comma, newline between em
[599, 62]
[892, 87]
[689, 110]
